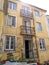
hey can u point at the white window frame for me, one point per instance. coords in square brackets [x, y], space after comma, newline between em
[42, 44]
[36, 12]
[10, 41]
[12, 5]
[25, 9]
[40, 30]
[10, 25]
[48, 20]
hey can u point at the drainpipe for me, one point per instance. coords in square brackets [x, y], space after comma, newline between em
[35, 40]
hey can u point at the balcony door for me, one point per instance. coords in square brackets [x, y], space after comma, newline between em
[27, 25]
[25, 10]
[26, 22]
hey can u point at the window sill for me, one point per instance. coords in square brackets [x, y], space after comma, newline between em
[11, 26]
[9, 50]
[12, 9]
[42, 49]
[38, 31]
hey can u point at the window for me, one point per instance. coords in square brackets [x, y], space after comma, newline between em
[38, 26]
[12, 5]
[9, 42]
[48, 20]
[26, 22]
[25, 9]
[11, 20]
[42, 44]
[36, 13]
[27, 25]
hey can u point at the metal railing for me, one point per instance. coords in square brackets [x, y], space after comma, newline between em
[26, 30]
[26, 13]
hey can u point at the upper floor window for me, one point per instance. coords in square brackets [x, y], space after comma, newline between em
[26, 22]
[11, 21]
[48, 20]
[9, 42]
[42, 44]
[36, 13]
[25, 9]
[38, 26]
[12, 5]
[27, 25]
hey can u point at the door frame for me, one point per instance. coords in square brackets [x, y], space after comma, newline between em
[26, 38]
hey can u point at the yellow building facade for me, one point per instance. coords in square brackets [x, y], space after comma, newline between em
[23, 32]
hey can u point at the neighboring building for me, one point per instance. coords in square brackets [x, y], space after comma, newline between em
[47, 23]
[23, 31]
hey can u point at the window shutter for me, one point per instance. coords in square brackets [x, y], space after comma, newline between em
[9, 20]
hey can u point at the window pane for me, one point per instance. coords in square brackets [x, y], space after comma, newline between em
[13, 21]
[14, 6]
[9, 5]
[7, 42]
[42, 43]
[9, 20]
[38, 26]
[36, 13]
[26, 22]
[12, 42]
[48, 21]
[25, 9]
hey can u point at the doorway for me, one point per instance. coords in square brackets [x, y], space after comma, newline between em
[27, 52]
[27, 49]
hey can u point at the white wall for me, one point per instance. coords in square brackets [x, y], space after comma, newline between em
[47, 26]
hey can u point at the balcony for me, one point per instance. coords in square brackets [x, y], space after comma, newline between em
[26, 30]
[27, 14]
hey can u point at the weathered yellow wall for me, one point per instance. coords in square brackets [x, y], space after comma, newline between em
[1, 21]
[1, 4]
[43, 55]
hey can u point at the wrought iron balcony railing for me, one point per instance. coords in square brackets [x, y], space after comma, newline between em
[26, 30]
[27, 14]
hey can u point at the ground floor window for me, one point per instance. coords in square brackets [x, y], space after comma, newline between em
[42, 44]
[9, 42]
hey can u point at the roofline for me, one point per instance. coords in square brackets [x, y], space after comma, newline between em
[34, 6]
[47, 15]
[39, 8]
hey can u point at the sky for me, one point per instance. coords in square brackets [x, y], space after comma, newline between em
[44, 4]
